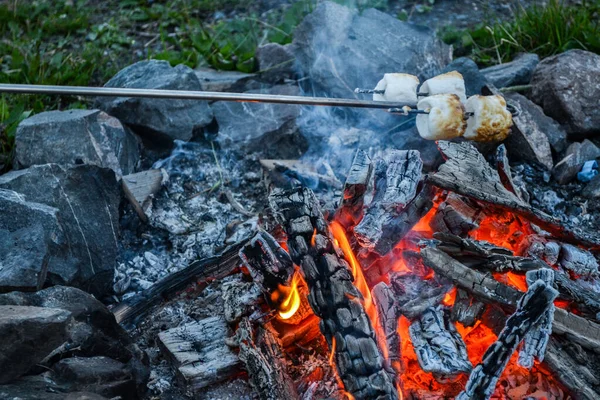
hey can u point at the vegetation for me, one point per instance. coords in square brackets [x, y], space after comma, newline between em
[548, 30]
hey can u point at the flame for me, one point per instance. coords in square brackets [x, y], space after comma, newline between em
[313, 239]
[291, 300]
[450, 298]
[335, 373]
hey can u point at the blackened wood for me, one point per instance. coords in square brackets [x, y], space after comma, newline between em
[468, 173]
[388, 319]
[414, 295]
[268, 263]
[466, 309]
[536, 340]
[530, 308]
[439, 347]
[394, 209]
[209, 268]
[505, 176]
[486, 288]
[578, 261]
[333, 297]
[457, 215]
[350, 211]
[263, 357]
[585, 300]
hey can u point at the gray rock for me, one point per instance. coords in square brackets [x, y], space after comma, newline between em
[474, 79]
[529, 141]
[567, 87]
[87, 198]
[267, 129]
[275, 62]
[158, 120]
[76, 137]
[516, 72]
[212, 80]
[28, 335]
[31, 242]
[339, 49]
[592, 189]
[39, 387]
[577, 154]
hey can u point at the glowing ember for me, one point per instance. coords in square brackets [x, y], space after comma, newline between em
[290, 295]
[449, 298]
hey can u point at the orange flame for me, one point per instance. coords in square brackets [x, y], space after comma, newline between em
[335, 373]
[291, 301]
[450, 298]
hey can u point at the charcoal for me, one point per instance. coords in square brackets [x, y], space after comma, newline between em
[439, 347]
[350, 211]
[584, 299]
[414, 295]
[388, 318]
[466, 309]
[503, 167]
[530, 308]
[456, 215]
[578, 261]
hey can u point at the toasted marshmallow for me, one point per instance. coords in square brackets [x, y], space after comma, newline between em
[491, 121]
[401, 88]
[448, 83]
[446, 118]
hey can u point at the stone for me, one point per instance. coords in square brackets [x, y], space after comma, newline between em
[577, 154]
[339, 49]
[275, 62]
[28, 335]
[76, 137]
[212, 80]
[87, 198]
[529, 139]
[475, 81]
[267, 129]
[39, 387]
[567, 87]
[592, 189]
[31, 242]
[516, 72]
[159, 121]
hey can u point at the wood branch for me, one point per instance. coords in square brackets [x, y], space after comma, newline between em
[139, 188]
[439, 347]
[466, 309]
[578, 261]
[530, 308]
[467, 172]
[414, 296]
[536, 340]
[506, 177]
[486, 288]
[199, 353]
[263, 357]
[350, 211]
[333, 297]
[388, 318]
[394, 209]
[457, 215]
[284, 172]
[209, 268]
[268, 263]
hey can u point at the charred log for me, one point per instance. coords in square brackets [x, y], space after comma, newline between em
[439, 347]
[456, 215]
[577, 261]
[585, 300]
[506, 177]
[536, 340]
[530, 308]
[263, 357]
[467, 172]
[350, 211]
[414, 295]
[466, 309]
[394, 209]
[333, 297]
[388, 318]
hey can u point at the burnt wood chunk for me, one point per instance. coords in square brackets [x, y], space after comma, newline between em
[530, 308]
[414, 295]
[506, 177]
[466, 172]
[333, 297]
[350, 211]
[467, 310]
[388, 318]
[578, 261]
[269, 264]
[199, 353]
[489, 290]
[457, 215]
[394, 209]
[585, 300]
[439, 347]
[263, 357]
[536, 340]
[139, 188]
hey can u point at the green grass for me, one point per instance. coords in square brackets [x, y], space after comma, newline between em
[542, 30]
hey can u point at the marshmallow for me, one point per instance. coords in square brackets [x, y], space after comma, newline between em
[451, 82]
[401, 88]
[446, 118]
[491, 120]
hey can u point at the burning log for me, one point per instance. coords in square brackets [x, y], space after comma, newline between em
[263, 357]
[486, 288]
[395, 207]
[466, 309]
[536, 340]
[414, 296]
[578, 261]
[333, 297]
[456, 215]
[585, 299]
[350, 211]
[388, 317]
[530, 308]
[439, 347]
[467, 172]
